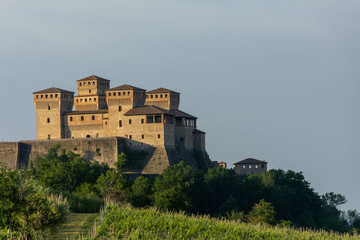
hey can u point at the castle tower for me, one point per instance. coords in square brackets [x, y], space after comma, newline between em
[163, 98]
[91, 93]
[50, 104]
[120, 100]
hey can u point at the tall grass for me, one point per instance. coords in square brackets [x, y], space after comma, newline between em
[130, 223]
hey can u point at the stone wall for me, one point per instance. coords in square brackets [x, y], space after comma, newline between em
[150, 159]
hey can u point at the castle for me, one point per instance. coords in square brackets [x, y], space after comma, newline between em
[107, 121]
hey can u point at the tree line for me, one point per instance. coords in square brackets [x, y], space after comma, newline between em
[34, 198]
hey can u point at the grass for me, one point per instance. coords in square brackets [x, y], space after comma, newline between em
[77, 224]
[130, 223]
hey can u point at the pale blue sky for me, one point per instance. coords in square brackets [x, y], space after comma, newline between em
[274, 80]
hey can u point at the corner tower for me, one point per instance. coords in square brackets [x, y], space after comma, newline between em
[91, 93]
[50, 104]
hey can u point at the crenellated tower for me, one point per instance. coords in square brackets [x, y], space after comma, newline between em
[91, 93]
[163, 98]
[50, 104]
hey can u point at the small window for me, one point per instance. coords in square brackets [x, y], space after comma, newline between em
[51, 96]
[156, 96]
[81, 100]
[157, 119]
[105, 123]
[159, 135]
[80, 84]
[151, 96]
[56, 95]
[70, 119]
[262, 166]
[256, 166]
[89, 91]
[120, 123]
[77, 100]
[93, 117]
[149, 119]
[119, 108]
[243, 166]
[142, 136]
[48, 136]
[46, 96]
[147, 96]
[89, 83]
[85, 99]
[84, 83]
[109, 93]
[181, 139]
[124, 93]
[48, 120]
[82, 118]
[90, 99]
[42, 96]
[129, 121]
[129, 93]
[37, 96]
[250, 166]
[130, 136]
[49, 107]
[94, 99]
[119, 93]
[161, 96]
[142, 121]
[93, 83]
[165, 95]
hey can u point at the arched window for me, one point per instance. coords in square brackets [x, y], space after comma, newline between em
[119, 93]
[156, 96]
[85, 99]
[147, 96]
[109, 93]
[93, 117]
[56, 95]
[70, 119]
[161, 96]
[93, 83]
[129, 93]
[165, 95]
[81, 100]
[80, 84]
[48, 120]
[84, 83]
[42, 96]
[124, 93]
[89, 83]
[51, 95]
[151, 96]
[94, 99]
[90, 99]
[46, 96]
[119, 108]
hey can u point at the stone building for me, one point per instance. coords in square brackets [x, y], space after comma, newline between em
[222, 164]
[107, 121]
[250, 166]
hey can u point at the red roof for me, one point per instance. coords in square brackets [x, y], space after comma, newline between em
[93, 77]
[146, 110]
[161, 90]
[125, 87]
[53, 90]
[250, 161]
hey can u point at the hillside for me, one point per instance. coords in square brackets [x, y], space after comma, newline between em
[130, 223]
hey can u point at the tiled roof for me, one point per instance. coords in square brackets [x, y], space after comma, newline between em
[101, 111]
[178, 113]
[250, 161]
[161, 90]
[93, 77]
[146, 110]
[53, 90]
[125, 87]
[199, 131]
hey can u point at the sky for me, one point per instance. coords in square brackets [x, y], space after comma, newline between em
[274, 80]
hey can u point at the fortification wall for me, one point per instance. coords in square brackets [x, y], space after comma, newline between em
[9, 154]
[146, 159]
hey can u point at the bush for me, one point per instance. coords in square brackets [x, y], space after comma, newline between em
[85, 203]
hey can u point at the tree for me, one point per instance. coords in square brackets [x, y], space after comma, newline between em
[141, 192]
[174, 187]
[262, 212]
[333, 199]
[121, 162]
[113, 186]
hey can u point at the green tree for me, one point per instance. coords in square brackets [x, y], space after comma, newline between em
[121, 162]
[113, 186]
[262, 212]
[174, 187]
[141, 192]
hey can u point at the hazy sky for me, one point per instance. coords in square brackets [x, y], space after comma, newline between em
[274, 80]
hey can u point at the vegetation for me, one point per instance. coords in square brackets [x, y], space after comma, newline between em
[31, 200]
[129, 223]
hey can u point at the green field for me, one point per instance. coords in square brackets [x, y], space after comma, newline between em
[131, 223]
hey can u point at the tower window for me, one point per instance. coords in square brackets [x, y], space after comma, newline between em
[124, 93]
[151, 96]
[56, 95]
[37, 96]
[42, 96]
[109, 93]
[48, 120]
[142, 136]
[119, 93]
[93, 83]
[120, 123]
[156, 96]
[94, 99]
[181, 139]
[70, 119]
[161, 96]
[129, 121]
[165, 95]
[142, 121]
[85, 99]
[119, 108]
[51, 95]
[90, 99]
[159, 135]
[48, 136]
[130, 136]
[93, 117]
[80, 84]
[46, 96]
[89, 91]
[84, 83]
[82, 118]
[128, 93]
[89, 83]
[48, 107]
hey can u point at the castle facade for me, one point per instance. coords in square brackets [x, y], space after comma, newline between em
[142, 117]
